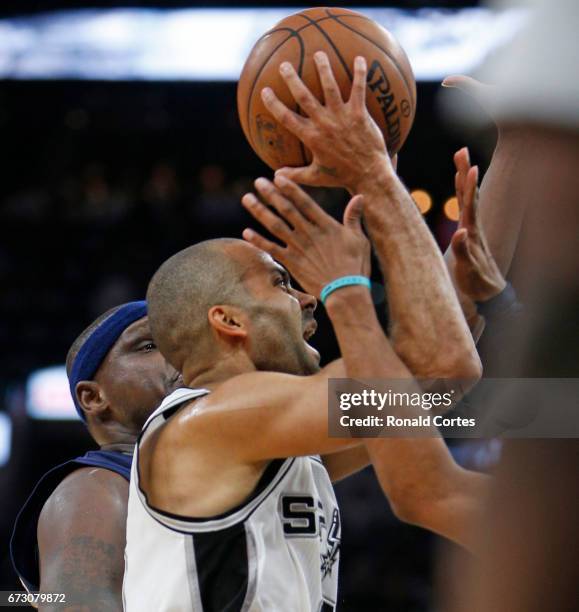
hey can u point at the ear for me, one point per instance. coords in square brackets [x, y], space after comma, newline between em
[91, 397]
[228, 321]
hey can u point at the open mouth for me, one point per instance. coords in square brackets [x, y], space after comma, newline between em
[310, 330]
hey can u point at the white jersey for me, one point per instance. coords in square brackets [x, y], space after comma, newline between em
[277, 552]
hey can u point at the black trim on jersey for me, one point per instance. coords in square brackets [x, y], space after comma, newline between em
[166, 414]
[222, 568]
[268, 476]
[171, 411]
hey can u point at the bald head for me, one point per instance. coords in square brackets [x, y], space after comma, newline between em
[187, 285]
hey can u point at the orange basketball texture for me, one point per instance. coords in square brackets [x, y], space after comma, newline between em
[342, 34]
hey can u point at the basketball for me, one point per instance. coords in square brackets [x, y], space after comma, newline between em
[342, 34]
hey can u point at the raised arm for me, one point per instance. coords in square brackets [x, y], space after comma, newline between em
[81, 541]
[429, 331]
[501, 207]
[419, 476]
[422, 481]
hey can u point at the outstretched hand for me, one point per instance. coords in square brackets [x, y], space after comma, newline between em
[317, 248]
[346, 144]
[476, 272]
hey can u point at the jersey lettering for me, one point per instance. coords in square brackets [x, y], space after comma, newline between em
[299, 515]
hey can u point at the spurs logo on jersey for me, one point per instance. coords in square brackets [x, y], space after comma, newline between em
[330, 557]
[279, 551]
[303, 516]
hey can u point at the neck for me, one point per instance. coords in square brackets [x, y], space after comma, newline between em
[113, 434]
[120, 447]
[213, 374]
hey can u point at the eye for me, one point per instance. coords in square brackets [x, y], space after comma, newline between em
[147, 347]
[283, 283]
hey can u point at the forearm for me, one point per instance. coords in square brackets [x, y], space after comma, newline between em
[418, 475]
[428, 489]
[366, 351]
[501, 205]
[457, 512]
[368, 354]
[429, 331]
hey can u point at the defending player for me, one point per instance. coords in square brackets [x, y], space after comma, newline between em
[69, 536]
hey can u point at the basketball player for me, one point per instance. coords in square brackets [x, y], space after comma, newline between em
[265, 534]
[69, 536]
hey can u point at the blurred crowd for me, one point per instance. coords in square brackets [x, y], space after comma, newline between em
[101, 196]
[91, 239]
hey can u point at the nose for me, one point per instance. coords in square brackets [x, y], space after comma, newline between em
[306, 300]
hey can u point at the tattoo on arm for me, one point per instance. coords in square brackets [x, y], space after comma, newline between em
[90, 573]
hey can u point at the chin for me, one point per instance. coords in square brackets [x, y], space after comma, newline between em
[313, 368]
[311, 361]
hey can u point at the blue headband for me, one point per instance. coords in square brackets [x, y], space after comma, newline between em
[99, 343]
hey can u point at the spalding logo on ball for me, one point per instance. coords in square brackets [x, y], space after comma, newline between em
[342, 34]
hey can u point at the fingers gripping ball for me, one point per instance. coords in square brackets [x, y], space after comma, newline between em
[342, 34]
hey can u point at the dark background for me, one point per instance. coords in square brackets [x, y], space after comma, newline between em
[21, 7]
[103, 181]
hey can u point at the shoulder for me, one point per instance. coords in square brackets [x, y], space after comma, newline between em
[85, 496]
[255, 381]
[208, 423]
[87, 482]
[235, 404]
[242, 404]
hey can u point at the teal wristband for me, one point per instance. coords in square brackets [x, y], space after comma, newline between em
[343, 281]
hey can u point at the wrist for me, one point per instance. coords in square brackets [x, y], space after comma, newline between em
[491, 291]
[341, 282]
[503, 303]
[348, 300]
[378, 173]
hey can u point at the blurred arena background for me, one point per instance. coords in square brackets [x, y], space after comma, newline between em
[121, 145]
